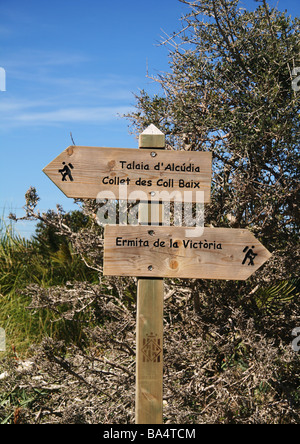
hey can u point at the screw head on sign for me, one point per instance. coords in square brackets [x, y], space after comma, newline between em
[151, 233]
[153, 154]
[152, 193]
[150, 268]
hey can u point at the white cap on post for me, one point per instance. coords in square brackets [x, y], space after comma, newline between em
[152, 137]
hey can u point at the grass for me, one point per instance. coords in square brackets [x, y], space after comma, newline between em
[23, 262]
[22, 327]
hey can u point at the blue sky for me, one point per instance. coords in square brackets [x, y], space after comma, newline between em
[73, 66]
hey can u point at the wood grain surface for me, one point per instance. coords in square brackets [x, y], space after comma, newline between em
[121, 171]
[219, 253]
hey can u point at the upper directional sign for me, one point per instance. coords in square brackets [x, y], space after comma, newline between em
[83, 172]
[219, 253]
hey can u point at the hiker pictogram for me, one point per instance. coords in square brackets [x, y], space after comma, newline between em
[66, 172]
[249, 255]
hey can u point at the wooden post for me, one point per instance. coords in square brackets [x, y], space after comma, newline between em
[150, 297]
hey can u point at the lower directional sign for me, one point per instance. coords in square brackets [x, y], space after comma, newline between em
[219, 253]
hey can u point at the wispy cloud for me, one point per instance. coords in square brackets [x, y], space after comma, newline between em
[47, 88]
[14, 114]
[83, 115]
[30, 59]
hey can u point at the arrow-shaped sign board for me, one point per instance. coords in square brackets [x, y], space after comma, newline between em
[218, 253]
[84, 172]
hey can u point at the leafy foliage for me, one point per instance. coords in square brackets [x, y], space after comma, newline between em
[229, 91]
[273, 298]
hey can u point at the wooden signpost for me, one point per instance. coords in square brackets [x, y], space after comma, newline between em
[152, 253]
[149, 328]
[83, 172]
[219, 253]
